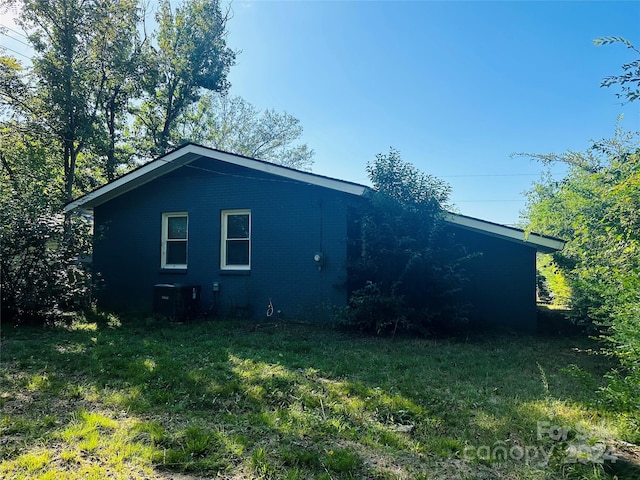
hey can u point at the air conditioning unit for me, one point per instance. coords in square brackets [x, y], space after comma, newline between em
[175, 301]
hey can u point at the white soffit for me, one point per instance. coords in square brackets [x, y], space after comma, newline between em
[190, 153]
[542, 243]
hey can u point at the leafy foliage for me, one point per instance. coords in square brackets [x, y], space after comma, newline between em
[42, 266]
[191, 55]
[122, 57]
[41, 255]
[596, 207]
[553, 287]
[629, 81]
[409, 269]
[79, 48]
[371, 310]
[234, 125]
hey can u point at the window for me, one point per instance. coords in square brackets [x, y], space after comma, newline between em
[175, 232]
[235, 245]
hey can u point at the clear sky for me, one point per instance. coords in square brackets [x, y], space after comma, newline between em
[456, 87]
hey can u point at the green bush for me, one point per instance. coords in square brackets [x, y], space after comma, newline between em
[596, 208]
[408, 270]
[43, 262]
[369, 310]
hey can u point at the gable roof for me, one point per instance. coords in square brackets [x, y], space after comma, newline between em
[191, 152]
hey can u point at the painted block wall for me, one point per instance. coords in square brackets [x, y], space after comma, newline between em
[501, 289]
[291, 222]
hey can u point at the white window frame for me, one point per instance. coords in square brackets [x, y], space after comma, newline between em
[225, 214]
[165, 239]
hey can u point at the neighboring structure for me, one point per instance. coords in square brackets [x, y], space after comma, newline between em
[254, 234]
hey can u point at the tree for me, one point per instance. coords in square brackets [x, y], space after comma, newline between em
[597, 209]
[409, 270]
[50, 142]
[77, 45]
[190, 56]
[120, 50]
[60, 32]
[40, 254]
[629, 81]
[234, 125]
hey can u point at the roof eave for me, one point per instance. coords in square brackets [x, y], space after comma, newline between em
[189, 153]
[541, 243]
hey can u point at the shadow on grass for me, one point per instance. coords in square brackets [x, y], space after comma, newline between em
[287, 401]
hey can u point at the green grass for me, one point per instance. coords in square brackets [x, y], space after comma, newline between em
[118, 398]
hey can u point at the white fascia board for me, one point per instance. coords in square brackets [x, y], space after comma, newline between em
[289, 173]
[131, 180]
[190, 153]
[542, 243]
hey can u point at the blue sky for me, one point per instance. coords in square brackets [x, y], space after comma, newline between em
[456, 87]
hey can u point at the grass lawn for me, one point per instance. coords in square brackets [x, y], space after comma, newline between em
[120, 398]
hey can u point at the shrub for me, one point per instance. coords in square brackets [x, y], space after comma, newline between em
[408, 269]
[596, 209]
[43, 262]
[370, 310]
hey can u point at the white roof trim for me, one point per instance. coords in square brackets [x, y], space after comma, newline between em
[289, 173]
[189, 153]
[542, 243]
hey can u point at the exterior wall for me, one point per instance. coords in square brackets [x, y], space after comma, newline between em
[291, 222]
[501, 289]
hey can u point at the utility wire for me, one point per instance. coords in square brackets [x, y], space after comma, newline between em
[15, 51]
[483, 201]
[16, 40]
[496, 175]
[14, 31]
[247, 177]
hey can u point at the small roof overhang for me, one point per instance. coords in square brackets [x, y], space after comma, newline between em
[542, 243]
[190, 152]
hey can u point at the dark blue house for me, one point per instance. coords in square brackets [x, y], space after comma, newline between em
[253, 234]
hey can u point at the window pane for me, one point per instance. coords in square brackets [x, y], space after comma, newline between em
[177, 253]
[177, 228]
[238, 226]
[237, 252]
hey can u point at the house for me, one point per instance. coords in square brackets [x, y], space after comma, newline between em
[257, 236]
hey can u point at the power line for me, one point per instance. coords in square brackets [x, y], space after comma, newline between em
[15, 51]
[16, 39]
[486, 201]
[14, 31]
[496, 175]
[264, 179]
[195, 167]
